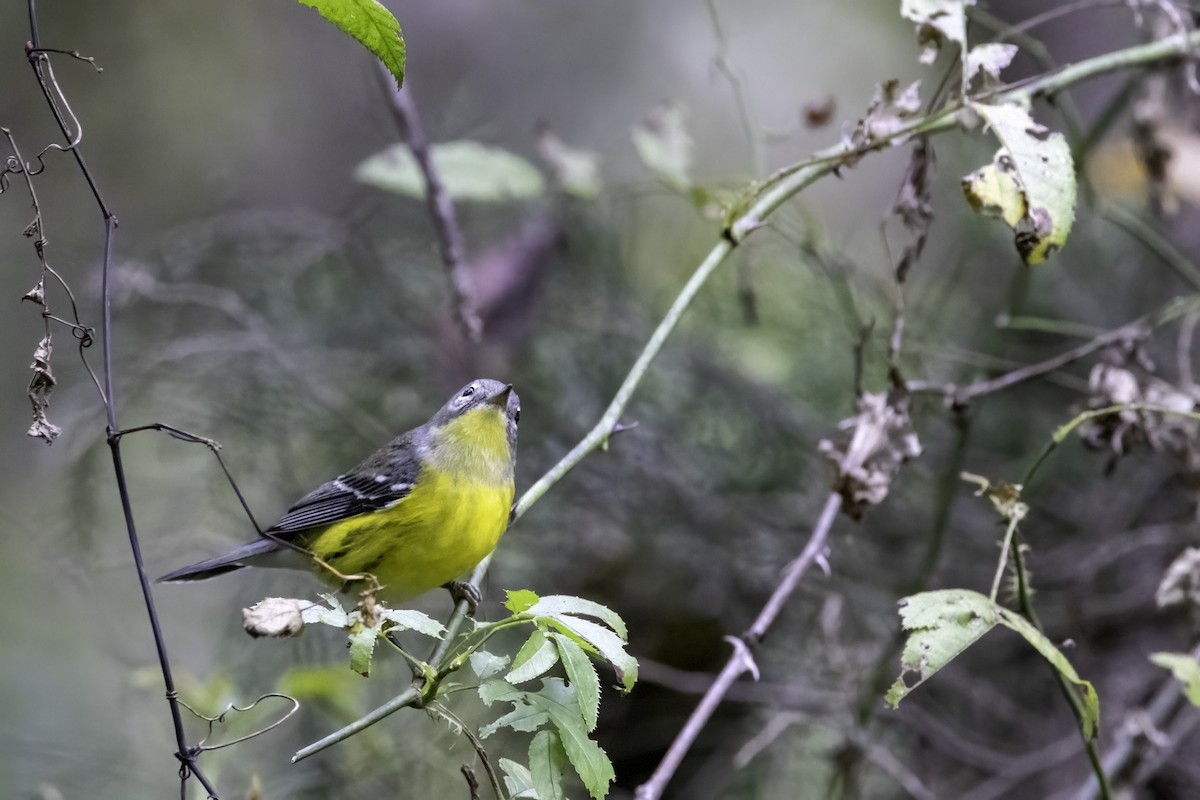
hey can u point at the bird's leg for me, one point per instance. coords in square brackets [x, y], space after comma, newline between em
[465, 590]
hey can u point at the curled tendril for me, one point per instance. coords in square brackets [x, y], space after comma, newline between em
[202, 745]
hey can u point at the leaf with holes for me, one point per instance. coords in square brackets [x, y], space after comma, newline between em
[1042, 173]
[942, 624]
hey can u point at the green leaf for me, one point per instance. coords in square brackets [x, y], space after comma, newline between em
[938, 22]
[469, 171]
[559, 702]
[943, 624]
[556, 605]
[582, 676]
[491, 691]
[1091, 703]
[362, 647]
[334, 615]
[518, 780]
[1186, 670]
[607, 643]
[486, 664]
[372, 25]
[663, 144]
[410, 620]
[524, 716]
[1044, 174]
[547, 758]
[520, 600]
[537, 655]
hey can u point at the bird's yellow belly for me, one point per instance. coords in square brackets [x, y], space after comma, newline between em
[442, 529]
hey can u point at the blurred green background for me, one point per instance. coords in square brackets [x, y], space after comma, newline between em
[264, 298]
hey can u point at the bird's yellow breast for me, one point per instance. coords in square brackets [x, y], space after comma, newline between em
[450, 520]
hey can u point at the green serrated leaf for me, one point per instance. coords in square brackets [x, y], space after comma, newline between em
[1185, 668]
[518, 780]
[610, 646]
[663, 144]
[535, 657]
[1091, 702]
[1045, 175]
[334, 615]
[372, 25]
[591, 762]
[410, 620]
[469, 171]
[362, 647]
[491, 691]
[582, 676]
[943, 624]
[485, 664]
[520, 600]
[559, 604]
[547, 761]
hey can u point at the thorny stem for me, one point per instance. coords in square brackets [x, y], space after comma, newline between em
[776, 190]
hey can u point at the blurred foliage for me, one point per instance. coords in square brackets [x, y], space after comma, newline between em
[266, 299]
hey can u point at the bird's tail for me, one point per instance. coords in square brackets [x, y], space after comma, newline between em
[234, 559]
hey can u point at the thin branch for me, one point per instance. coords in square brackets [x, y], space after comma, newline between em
[1178, 307]
[741, 661]
[441, 208]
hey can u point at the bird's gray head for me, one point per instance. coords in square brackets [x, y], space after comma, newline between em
[483, 394]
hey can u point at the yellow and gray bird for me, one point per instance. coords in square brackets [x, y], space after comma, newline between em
[416, 514]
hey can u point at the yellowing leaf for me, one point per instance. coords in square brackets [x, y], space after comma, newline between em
[993, 190]
[1044, 176]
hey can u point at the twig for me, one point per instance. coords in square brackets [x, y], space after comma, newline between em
[741, 660]
[1180, 306]
[441, 208]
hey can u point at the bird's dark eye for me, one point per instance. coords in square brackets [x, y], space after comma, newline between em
[467, 392]
[517, 415]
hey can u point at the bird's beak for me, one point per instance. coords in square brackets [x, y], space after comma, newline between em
[500, 398]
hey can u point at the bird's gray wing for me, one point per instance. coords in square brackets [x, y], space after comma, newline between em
[383, 479]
